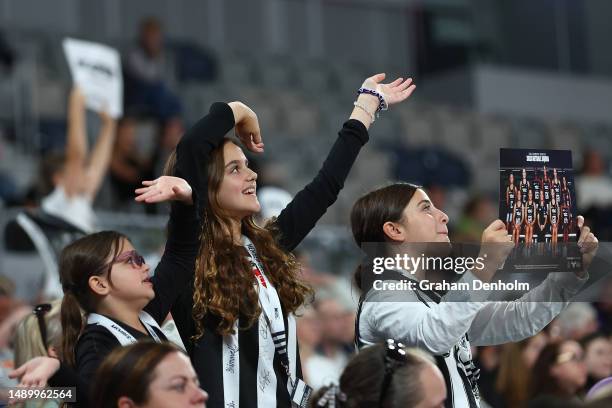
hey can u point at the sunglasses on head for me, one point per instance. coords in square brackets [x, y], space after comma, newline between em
[395, 356]
[40, 311]
[567, 357]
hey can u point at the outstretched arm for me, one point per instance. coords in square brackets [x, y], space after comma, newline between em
[502, 322]
[101, 156]
[176, 267]
[309, 205]
[76, 143]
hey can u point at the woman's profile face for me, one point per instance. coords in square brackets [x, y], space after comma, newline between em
[569, 369]
[422, 221]
[598, 358]
[175, 385]
[237, 194]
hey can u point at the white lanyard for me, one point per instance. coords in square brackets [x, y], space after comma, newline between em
[119, 332]
[272, 339]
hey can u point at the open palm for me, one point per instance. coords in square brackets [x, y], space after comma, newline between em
[165, 188]
[394, 92]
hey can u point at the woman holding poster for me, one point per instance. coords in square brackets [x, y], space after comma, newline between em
[401, 217]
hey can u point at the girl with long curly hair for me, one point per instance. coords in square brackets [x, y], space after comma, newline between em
[236, 319]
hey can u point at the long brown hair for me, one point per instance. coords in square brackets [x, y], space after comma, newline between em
[128, 372]
[543, 380]
[371, 211]
[514, 376]
[224, 282]
[79, 261]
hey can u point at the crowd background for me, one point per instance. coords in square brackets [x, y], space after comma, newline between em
[489, 74]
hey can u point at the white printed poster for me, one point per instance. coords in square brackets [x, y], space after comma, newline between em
[96, 70]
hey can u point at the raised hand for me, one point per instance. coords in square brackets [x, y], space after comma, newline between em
[247, 127]
[165, 188]
[495, 248]
[587, 242]
[105, 118]
[394, 92]
[36, 372]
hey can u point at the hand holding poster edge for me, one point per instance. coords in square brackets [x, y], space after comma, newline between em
[96, 70]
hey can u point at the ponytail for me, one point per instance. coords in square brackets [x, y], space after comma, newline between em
[82, 259]
[72, 325]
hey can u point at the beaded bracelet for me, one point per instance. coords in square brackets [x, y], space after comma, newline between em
[381, 99]
[363, 108]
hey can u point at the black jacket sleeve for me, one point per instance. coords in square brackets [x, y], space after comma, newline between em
[309, 205]
[193, 151]
[193, 156]
[177, 264]
[91, 349]
[67, 377]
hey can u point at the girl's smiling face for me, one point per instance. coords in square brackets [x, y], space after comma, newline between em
[237, 194]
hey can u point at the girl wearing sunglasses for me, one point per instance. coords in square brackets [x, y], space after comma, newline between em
[103, 276]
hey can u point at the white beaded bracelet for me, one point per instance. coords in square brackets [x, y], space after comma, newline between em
[363, 108]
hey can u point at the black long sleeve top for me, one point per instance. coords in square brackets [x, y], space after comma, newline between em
[293, 224]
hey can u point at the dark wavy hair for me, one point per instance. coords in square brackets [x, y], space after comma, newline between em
[224, 283]
[362, 380]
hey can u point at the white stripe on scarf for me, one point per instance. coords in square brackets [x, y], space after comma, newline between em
[266, 376]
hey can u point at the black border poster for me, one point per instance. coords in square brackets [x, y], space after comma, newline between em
[538, 204]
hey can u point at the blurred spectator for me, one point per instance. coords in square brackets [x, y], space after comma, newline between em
[149, 72]
[11, 313]
[39, 334]
[604, 306]
[74, 177]
[128, 167]
[147, 374]
[559, 371]
[69, 183]
[309, 336]
[514, 375]
[171, 134]
[477, 215]
[578, 320]
[386, 376]
[594, 186]
[597, 357]
[327, 364]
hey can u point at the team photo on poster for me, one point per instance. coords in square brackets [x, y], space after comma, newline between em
[537, 203]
